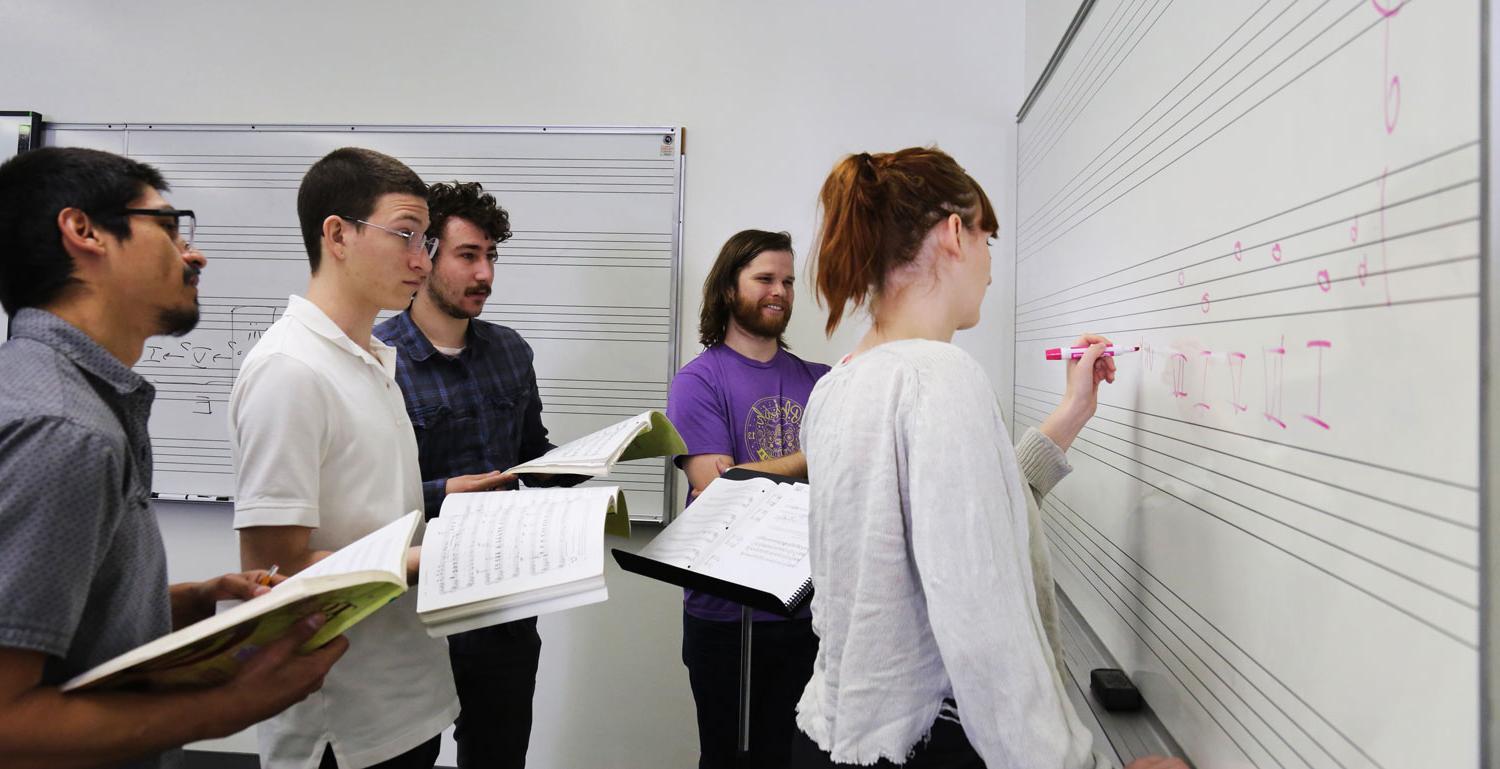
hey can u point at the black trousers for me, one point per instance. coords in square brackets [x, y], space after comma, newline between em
[423, 756]
[781, 661]
[494, 669]
[947, 747]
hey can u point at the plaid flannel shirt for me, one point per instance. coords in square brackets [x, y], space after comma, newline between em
[477, 412]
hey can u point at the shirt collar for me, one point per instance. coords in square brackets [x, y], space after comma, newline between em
[418, 347]
[411, 339]
[78, 347]
[318, 322]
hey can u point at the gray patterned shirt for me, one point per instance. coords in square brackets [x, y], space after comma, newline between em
[83, 572]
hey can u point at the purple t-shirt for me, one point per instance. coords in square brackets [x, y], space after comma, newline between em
[725, 403]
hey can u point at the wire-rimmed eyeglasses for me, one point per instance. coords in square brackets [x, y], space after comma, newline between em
[415, 241]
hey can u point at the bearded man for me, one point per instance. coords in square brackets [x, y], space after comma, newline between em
[471, 392]
[740, 403]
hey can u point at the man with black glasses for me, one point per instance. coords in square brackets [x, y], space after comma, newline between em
[471, 391]
[95, 262]
[324, 454]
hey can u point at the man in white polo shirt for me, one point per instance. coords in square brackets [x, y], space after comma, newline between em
[325, 454]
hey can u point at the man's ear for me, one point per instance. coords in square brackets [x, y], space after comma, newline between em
[335, 237]
[83, 241]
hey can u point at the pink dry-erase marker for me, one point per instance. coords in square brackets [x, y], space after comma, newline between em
[1074, 353]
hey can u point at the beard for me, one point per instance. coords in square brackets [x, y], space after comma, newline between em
[747, 314]
[178, 321]
[441, 295]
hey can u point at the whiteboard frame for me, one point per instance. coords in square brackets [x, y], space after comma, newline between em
[669, 489]
[1489, 393]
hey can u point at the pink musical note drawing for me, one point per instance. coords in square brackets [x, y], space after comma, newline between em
[1325, 283]
[1362, 270]
[1392, 111]
[1236, 380]
[1354, 230]
[1181, 277]
[1207, 357]
[1203, 303]
[1238, 256]
[1317, 418]
[1275, 359]
[1276, 252]
[1179, 375]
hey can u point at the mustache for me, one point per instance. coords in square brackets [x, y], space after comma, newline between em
[480, 290]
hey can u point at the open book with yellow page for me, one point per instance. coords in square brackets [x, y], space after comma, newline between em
[490, 557]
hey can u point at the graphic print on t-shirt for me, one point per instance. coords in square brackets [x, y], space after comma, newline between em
[773, 428]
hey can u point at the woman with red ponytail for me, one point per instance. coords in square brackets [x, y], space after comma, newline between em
[934, 605]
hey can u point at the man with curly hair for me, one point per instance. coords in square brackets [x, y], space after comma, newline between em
[471, 392]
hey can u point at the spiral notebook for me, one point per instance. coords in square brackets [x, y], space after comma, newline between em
[744, 540]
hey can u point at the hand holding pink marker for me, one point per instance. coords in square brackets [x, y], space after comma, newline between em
[1074, 353]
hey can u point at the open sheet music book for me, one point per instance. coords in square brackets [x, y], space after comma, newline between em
[648, 434]
[491, 557]
[745, 540]
[346, 587]
[499, 556]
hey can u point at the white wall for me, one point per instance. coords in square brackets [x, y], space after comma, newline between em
[771, 93]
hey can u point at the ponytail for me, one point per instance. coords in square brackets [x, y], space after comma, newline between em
[877, 209]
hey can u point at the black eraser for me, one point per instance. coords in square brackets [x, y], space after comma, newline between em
[1113, 689]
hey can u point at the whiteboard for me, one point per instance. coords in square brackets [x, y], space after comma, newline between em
[1274, 518]
[588, 279]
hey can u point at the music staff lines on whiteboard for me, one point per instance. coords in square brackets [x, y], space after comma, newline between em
[1048, 140]
[1074, 552]
[1048, 224]
[1079, 177]
[1461, 604]
[1044, 116]
[1448, 154]
[1457, 569]
[1218, 259]
[1061, 511]
[301, 161]
[1371, 504]
[1071, 98]
[1060, 547]
[1378, 542]
[1048, 114]
[1033, 247]
[1272, 316]
[1026, 220]
[1303, 284]
[263, 169]
[1279, 444]
[1462, 637]
[1323, 281]
[1466, 201]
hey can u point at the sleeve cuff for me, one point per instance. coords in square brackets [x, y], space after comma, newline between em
[248, 514]
[433, 494]
[1042, 463]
